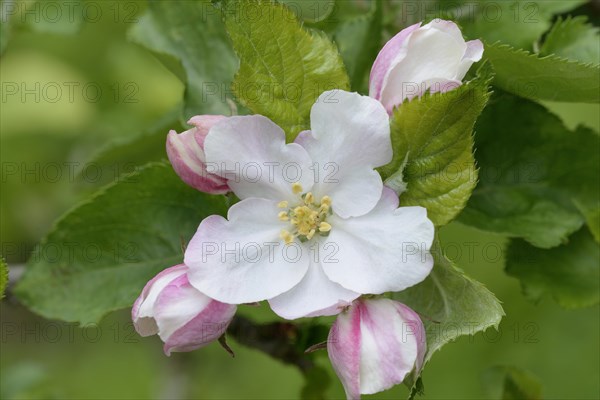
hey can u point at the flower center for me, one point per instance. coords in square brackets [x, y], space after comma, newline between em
[307, 218]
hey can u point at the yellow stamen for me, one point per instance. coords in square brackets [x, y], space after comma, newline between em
[297, 188]
[307, 218]
[286, 236]
[309, 198]
[324, 227]
[283, 216]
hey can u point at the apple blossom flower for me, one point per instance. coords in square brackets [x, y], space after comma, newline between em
[315, 227]
[374, 345]
[184, 318]
[434, 56]
[186, 153]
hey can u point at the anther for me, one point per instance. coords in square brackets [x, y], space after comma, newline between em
[324, 227]
[283, 216]
[286, 236]
[297, 188]
[309, 198]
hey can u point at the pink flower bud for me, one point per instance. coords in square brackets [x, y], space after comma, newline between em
[186, 153]
[374, 345]
[434, 56]
[184, 318]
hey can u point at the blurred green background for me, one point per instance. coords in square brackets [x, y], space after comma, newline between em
[49, 139]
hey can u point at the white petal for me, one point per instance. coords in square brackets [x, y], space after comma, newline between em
[473, 54]
[414, 330]
[177, 305]
[250, 151]
[343, 348]
[374, 344]
[143, 309]
[391, 54]
[187, 319]
[315, 295]
[431, 53]
[207, 326]
[242, 259]
[385, 250]
[390, 344]
[447, 27]
[349, 137]
[186, 155]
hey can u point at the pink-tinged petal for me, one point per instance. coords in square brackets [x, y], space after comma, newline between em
[375, 345]
[473, 54]
[389, 345]
[343, 347]
[447, 27]
[251, 153]
[430, 54]
[349, 137]
[176, 305]
[186, 154]
[391, 54]
[187, 319]
[414, 328]
[435, 52]
[242, 259]
[314, 296]
[205, 328]
[203, 123]
[142, 312]
[382, 251]
[184, 318]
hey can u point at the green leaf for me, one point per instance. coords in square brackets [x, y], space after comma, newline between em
[122, 155]
[99, 256]
[359, 41]
[3, 276]
[192, 32]
[451, 304]
[5, 29]
[355, 27]
[62, 18]
[283, 67]
[317, 381]
[518, 23]
[535, 175]
[314, 12]
[329, 15]
[570, 273]
[592, 218]
[544, 78]
[433, 150]
[418, 388]
[573, 38]
[511, 383]
[20, 380]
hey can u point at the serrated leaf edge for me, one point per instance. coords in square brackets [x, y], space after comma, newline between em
[550, 57]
